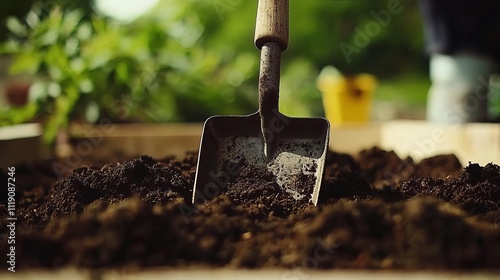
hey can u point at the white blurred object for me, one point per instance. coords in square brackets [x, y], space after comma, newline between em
[459, 90]
[125, 10]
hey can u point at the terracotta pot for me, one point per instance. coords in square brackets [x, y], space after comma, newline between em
[17, 93]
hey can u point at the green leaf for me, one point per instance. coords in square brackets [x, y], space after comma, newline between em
[16, 27]
[122, 73]
[55, 18]
[77, 65]
[54, 123]
[101, 49]
[60, 117]
[17, 115]
[92, 112]
[55, 73]
[10, 47]
[57, 62]
[49, 38]
[32, 19]
[25, 62]
[70, 21]
[86, 86]
[84, 32]
[54, 90]
[71, 46]
[38, 92]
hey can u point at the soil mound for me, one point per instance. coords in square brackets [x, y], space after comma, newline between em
[376, 211]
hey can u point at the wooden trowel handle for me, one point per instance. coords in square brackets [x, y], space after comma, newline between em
[272, 23]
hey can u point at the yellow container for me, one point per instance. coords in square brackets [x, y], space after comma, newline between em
[346, 99]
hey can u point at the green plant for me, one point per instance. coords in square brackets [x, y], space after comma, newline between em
[89, 68]
[46, 48]
[188, 60]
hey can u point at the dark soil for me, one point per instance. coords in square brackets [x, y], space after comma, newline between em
[376, 211]
[256, 186]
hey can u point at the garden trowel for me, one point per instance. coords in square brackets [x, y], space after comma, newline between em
[292, 149]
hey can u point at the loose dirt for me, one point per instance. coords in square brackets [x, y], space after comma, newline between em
[376, 211]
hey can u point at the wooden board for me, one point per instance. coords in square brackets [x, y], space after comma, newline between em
[156, 140]
[20, 143]
[470, 142]
[230, 274]
[473, 142]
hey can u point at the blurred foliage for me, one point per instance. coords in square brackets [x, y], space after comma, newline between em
[187, 60]
[20, 8]
[7, 9]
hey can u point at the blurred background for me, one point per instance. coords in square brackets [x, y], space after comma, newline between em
[65, 61]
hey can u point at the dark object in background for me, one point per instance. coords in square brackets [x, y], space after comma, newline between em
[453, 26]
[17, 93]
